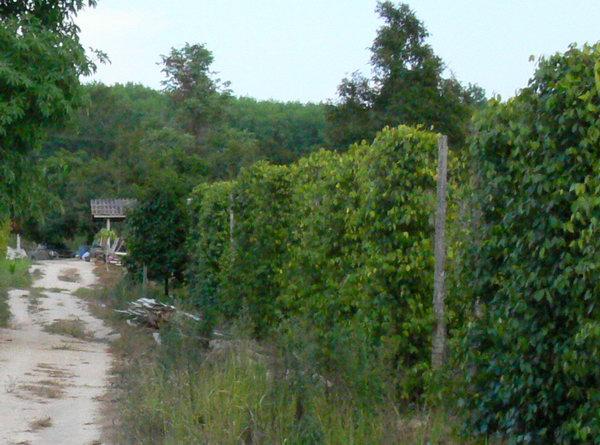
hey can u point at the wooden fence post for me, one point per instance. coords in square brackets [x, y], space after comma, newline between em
[438, 349]
[144, 280]
[231, 223]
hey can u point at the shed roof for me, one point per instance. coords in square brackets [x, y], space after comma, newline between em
[111, 208]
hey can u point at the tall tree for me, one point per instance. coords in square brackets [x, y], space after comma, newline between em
[407, 86]
[199, 96]
[41, 62]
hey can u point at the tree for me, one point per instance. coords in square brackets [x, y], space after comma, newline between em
[353, 118]
[157, 231]
[232, 150]
[111, 118]
[42, 61]
[284, 131]
[199, 96]
[407, 86]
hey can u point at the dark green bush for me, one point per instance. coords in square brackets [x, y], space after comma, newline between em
[532, 354]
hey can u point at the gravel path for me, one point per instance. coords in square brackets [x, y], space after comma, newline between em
[51, 383]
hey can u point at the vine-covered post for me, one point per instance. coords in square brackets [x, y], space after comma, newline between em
[438, 350]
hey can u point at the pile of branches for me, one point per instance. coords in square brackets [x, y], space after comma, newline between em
[152, 313]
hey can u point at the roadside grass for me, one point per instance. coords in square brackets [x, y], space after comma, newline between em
[73, 327]
[238, 391]
[14, 274]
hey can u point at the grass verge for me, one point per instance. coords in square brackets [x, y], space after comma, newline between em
[73, 327]
[14, 274]
[239, 391]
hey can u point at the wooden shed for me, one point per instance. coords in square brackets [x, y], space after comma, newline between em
[111, 209]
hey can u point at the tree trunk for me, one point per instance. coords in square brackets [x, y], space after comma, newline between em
[438, 349]
[166, 286]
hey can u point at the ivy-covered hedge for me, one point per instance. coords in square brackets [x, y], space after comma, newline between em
[210, 244]
[322, 255]
[341, 241]
[261, 230]
[394, 224]
[533, 352]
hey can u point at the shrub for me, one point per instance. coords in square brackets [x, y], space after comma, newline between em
[157, 230]
[4, 236]
[532, 354]
[361, 257]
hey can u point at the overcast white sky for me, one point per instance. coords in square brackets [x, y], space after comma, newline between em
[301, 49]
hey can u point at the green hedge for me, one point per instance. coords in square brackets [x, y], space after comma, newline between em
[532, 355]
[210, 244]
[342, 242]
[261, 208]
[394, 224]
[322, 255]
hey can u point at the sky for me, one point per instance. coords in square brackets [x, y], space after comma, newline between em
[300, 49]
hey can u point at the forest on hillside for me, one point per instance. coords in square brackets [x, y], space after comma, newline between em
[124, 138]
[305, 237]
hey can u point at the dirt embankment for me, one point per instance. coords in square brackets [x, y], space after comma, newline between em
[54, 361]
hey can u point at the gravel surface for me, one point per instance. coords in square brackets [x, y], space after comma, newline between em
[51, 384]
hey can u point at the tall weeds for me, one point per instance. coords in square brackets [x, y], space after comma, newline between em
[239, 390]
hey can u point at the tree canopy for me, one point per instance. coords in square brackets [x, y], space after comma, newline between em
[41, 62]
[157, 231]
[407, 87]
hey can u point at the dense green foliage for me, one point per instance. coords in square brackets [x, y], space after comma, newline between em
[156, 234]
[322, 252]
[128, 136]
[407, 87]
[110, 119]
[341, 243]
[285, 131]
[210, 240]
[533, 351]
[41, 61]
[261, 209]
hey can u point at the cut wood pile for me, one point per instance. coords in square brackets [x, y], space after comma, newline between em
[152, 313]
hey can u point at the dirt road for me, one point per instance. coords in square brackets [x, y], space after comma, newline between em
[54, 361]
